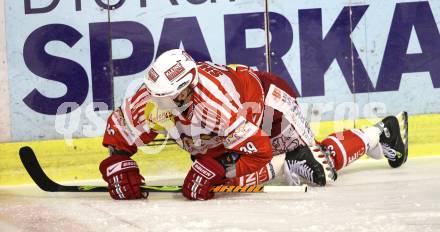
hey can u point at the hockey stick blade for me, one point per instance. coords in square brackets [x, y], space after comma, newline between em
[34, 170]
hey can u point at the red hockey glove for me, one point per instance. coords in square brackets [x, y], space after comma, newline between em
[204, 173]
[123, 178]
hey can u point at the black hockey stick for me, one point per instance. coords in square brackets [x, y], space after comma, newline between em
[37, 174]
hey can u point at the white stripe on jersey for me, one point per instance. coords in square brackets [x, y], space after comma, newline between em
[230, 88]
[141, 119]
[123, 130]
[214, 89]
[211, 113]
[138, 112]
[212, 103]
[134, 102]
[132, 132]
[209, 121]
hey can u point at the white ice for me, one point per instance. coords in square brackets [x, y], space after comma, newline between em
[368, 196]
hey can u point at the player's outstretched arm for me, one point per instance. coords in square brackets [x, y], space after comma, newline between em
[119, 171]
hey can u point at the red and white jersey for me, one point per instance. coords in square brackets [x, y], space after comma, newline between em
[225, 116]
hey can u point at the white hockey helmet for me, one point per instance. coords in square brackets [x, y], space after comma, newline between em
[170, 73]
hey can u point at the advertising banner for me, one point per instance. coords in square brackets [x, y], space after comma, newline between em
[70, 62]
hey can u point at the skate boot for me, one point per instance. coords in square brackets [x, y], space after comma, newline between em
[394, 138]
[310, 164]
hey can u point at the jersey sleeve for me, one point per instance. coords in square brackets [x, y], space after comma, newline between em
[244, 135]
[252, 144]
[126, 128]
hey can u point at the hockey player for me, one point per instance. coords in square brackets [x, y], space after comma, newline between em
[232, 121]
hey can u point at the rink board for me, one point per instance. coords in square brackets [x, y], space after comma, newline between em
[80, 161]
[70, 63]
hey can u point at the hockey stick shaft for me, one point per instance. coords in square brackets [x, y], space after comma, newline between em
[216, 189]
[33, 167]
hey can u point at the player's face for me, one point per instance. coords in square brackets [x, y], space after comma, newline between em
[176, 105]
[184, 96]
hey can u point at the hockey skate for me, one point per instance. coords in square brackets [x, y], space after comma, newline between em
[310, 164]
[394, 138]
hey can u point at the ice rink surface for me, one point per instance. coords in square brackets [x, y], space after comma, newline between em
[368, 196]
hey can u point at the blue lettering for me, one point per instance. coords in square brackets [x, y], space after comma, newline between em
[186, 31]
[396, 61]
[238, 53]
[29, 10]
[108, 6]
[317, 53]
[281, 42]
[235, 40]
[104, 68]
[54, 68]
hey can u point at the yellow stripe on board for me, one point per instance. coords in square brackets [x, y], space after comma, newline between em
[424, 136]
[81, 161]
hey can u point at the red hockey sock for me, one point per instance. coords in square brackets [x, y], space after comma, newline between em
[346, 146]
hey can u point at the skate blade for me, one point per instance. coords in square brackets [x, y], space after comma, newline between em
[402, 118]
